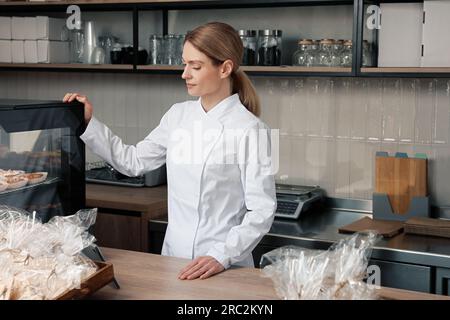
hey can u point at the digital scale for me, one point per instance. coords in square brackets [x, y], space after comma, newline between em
[292, 200]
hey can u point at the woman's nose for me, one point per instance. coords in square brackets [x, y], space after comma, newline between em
[185, 75]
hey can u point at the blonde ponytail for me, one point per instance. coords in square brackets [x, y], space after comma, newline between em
[247, 93]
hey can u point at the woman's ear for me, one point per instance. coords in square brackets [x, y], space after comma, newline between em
[226, 68]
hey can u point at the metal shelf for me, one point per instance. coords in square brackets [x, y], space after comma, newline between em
[406, 72]
[67, 67]
[24, 7]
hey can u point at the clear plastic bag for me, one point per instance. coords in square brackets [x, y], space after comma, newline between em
[41, 261]
[337, 273]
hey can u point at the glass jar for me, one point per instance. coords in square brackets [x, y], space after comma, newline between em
[313, 58]
[347, 53]
[278, 34]
[366, 54]
[248, 38]
[170, 49]
[107, 42]
[325, 52]
[336, 53]
[300, 57]
[267, 48]
[116, 54]
[155, 50]
[180, 45]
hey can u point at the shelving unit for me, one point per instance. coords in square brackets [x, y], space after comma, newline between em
[164, 6]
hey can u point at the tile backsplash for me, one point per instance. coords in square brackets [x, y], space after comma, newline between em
[330, 128]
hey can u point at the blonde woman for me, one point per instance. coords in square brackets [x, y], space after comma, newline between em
[221, 196]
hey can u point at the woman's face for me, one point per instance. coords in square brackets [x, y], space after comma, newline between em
[201, 76]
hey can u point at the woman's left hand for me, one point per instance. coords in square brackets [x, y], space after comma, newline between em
[203, 267]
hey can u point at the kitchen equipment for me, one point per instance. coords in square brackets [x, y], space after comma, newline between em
[292, 200]
[41, 139]
[401, 178]
[105, 174]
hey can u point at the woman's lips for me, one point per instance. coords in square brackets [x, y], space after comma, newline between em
[190, 85]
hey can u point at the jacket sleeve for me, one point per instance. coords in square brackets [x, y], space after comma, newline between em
[258, 182]
[130, 160]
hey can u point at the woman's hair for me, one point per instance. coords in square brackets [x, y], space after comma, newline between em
[220, 42]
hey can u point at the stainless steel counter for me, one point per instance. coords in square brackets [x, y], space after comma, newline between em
[318, 229]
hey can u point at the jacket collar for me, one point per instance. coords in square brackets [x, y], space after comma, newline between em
[222, 107]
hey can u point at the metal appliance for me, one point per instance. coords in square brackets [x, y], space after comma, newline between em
[104, 173]
[292, 200]
[42, 158]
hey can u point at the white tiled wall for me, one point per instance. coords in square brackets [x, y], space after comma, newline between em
[330, 128]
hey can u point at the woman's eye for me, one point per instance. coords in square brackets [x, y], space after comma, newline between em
[196, 68]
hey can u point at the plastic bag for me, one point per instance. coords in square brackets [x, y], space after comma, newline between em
[41, 261]
[337, 273]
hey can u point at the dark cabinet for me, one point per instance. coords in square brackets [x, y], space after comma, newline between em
[404, 276]
[443, 281]
[156, 234]
[121, 230]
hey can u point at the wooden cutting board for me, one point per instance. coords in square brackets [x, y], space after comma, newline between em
[386, 228]
[401, 179]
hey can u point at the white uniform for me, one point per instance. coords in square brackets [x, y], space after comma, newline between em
[216, 208]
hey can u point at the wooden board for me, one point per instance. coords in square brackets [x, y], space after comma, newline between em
[428, 227]
[103, 276]
[386, 228]
[401, 179]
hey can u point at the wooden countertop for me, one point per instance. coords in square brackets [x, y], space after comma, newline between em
[145, 276]
[152, 200]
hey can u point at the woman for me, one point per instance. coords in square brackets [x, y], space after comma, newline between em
[221, 198]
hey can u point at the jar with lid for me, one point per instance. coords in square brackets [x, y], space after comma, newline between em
[336, 53]
[248, 38]
[155, 49]
[313, 58]
[325, 53]
[366, 54]
[267, 48]
[116, 54]
[347, 53]
[170, 44]
[278, 34]
[300, 57]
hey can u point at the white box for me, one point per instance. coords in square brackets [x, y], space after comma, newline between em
[436, 41]
[5, 51]
[400, 36]
[18, 28]
[5, 28]
[30, 49]
[17, 51]
[30, 28]
[51, 29]
[53, 51]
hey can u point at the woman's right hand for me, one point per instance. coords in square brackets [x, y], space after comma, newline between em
[88, 109]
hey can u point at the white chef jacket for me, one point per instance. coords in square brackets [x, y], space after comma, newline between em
[215, 207]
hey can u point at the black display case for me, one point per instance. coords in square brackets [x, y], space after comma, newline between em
[42, 158]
